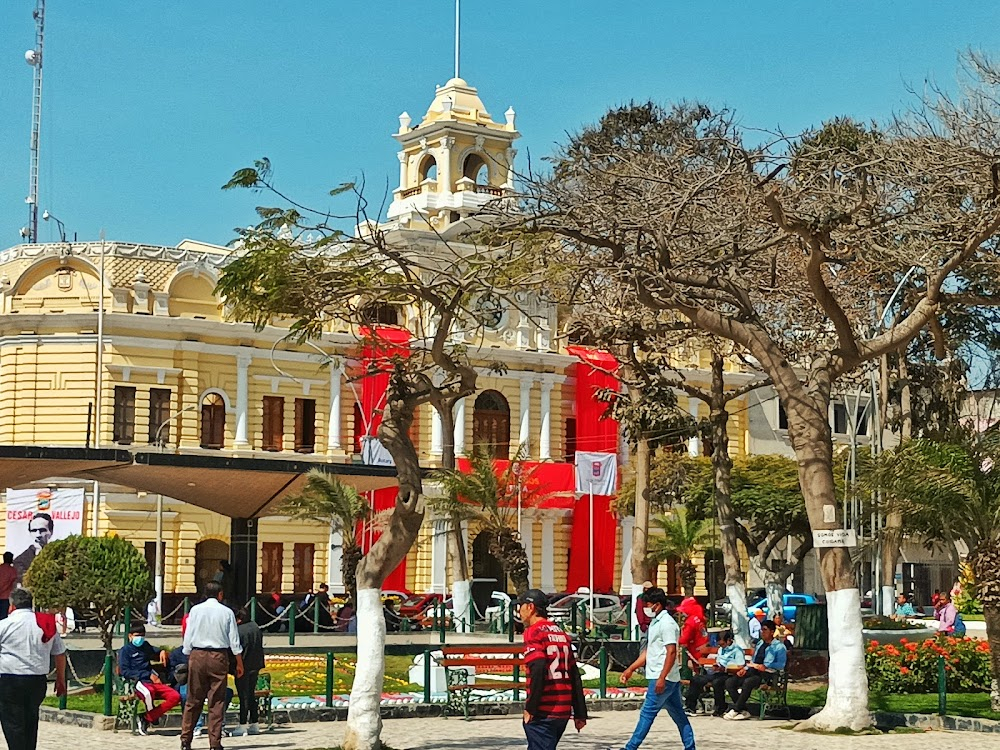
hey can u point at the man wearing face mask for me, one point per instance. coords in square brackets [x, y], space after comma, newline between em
[135, 662]
[660, 660]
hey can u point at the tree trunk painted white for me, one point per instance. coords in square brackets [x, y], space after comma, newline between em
[888, 603]
[364, 722]
[461, 601]
[774, 586]
[847, 698]
[738, 614]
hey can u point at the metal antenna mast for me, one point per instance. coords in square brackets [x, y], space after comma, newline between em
[34, 58]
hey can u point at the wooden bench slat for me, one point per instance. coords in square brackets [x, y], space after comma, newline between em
[481, 663]
[490, 686]
[511, 649]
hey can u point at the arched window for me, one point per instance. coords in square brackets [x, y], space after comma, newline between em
[381, 313]
[428, 168]
[213, 421]
[476, 169]
[491, 424]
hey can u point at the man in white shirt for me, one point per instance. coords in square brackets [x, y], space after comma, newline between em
[662, 672]
[25, 649]
[209, 640]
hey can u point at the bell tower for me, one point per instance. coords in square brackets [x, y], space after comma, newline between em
[454, 162]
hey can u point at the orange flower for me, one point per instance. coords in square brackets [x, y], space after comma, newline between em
[904, 670]
[911, 646]
[903, 640]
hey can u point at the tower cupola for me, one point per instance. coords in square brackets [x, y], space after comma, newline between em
[454, 162]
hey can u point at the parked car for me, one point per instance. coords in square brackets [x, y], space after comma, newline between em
[789, 603]
[607, 608]
[416, 604]
[723, 607]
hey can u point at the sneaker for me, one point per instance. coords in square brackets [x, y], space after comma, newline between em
[730, 715]
[141, 725]
[742, 716]
[198, 732]
[691, 711]
[240, 730]
[253, 729]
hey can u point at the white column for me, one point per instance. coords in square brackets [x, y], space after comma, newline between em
[242, 399]
[401, 155]
[439, 557]
[528, 539]
[694, 443]
[628, 524]
[524, 435]
[460, 428]
[333, 437]
[545, 434]
[548, 556]
[335, 573]
[437, 436]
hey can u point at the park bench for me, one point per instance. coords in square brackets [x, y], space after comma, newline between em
[454, 658]
[774, 696]
[127, 716]
[262, 694]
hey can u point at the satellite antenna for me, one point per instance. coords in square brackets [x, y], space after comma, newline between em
[34, 58]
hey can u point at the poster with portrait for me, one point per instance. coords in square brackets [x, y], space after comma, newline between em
[38, 516]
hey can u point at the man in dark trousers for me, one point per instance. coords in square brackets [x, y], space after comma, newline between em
[555, 690]
[26, 644]
[252, 640]
[769, 658]
[210, 639]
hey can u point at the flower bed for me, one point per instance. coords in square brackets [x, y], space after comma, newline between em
[912, 666]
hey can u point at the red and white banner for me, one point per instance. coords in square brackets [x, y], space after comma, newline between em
[596, 473]
[38, 516]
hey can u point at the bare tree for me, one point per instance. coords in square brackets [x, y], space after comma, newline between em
[781, 249]
[296, 265]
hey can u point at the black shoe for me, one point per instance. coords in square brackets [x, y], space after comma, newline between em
[141, 725]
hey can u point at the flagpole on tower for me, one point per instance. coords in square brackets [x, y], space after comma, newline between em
[458, 35]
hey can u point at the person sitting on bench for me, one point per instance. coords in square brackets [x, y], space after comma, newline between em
[135, 662]
[729, 658]
[769, 658]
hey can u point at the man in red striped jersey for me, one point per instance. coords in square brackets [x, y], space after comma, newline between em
[555, 691]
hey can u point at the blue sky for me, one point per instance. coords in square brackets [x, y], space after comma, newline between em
[150, 107]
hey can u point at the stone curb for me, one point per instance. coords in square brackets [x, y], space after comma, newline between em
[883, 720]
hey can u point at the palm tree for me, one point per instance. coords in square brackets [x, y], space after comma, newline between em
[948, 490]
[490, 498]
[329, 501]
[680, 539]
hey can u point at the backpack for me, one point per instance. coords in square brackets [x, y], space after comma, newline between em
[959, 626]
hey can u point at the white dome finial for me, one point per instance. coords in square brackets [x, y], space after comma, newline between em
[510, 114]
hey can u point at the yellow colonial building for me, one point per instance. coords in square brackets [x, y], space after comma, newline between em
[111, 345]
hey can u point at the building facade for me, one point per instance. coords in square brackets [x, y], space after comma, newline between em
[112, 344]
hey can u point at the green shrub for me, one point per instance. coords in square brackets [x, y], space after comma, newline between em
[912, 667]
[97, 576]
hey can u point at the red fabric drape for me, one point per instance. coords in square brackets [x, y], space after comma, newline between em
[382, 345]
[554, 482]
[593, 433]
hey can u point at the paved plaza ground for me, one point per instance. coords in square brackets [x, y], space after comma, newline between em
[607, 728]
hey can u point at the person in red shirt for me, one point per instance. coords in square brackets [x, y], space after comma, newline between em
[694, 636]
[641, 618]
[8, 580]
[555, 690]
